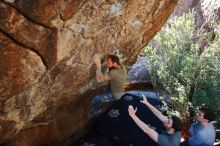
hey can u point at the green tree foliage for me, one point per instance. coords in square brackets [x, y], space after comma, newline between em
[185, 62]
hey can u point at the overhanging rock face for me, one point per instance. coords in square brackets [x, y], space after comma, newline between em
[46, 67]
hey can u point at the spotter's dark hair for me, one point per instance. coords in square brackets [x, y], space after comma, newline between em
[177, 123]
[208, 113]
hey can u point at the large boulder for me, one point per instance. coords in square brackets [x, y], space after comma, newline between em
[206, 10]
[46, 60]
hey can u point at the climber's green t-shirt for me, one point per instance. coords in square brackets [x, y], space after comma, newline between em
[118, 79]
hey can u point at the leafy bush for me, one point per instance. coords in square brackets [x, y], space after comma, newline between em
[185, 62]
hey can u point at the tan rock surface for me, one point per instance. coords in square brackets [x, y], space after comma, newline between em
[206, 10]
[46, 67]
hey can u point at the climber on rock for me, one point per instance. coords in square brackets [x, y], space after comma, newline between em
[115, 76]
